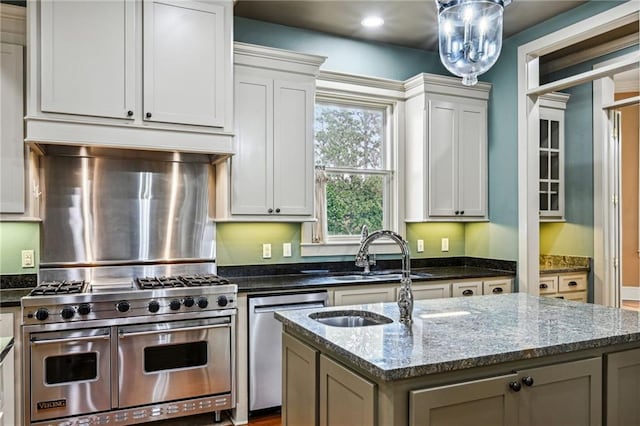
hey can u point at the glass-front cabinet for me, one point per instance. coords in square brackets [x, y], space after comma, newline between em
[551, 151]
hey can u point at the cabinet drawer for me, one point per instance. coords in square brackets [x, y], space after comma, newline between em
[548, 284]
[577, 296]
[429, 291]
[575, 282]
[364, 295]
[497, 286]
[471, 288]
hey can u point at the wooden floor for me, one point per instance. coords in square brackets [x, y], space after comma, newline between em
[631, 304]
[270, 419]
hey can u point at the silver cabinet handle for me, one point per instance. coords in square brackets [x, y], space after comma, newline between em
[71, 339]
[273, 308]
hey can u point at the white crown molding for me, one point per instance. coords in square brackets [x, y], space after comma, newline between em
[13, 24]
[434, 83]
[588, 54]
[276, 59]
[556, 100]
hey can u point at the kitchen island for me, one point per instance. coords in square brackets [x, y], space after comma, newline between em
[508, 359]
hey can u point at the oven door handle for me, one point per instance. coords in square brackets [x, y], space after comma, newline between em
[70, 339]
[124, 334]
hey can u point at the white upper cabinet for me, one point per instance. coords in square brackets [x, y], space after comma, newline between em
[145, 74]
[184, 53]
[12, 153]
[446, 161]
[83, 73]
[551, 149]
[272, 172]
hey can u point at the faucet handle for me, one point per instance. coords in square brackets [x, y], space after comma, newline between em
[364, 233]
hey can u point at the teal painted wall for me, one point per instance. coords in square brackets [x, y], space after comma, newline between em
[15, 237]
[499, 238]
[343, 54]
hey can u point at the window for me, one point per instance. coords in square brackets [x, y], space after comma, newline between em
[350, 146]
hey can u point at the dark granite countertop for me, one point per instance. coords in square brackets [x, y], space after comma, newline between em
[11, 297]
[319, 279]
[466, 332]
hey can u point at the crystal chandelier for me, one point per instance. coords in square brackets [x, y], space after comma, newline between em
[470, 36]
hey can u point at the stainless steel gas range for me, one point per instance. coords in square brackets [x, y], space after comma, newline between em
[126, 345]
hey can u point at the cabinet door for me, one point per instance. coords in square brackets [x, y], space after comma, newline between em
[502, 286]
[429, 291]
[443, 173]
[293, 148]
[364, 295]
[469, 288]
[572, 282]
[345, 397]
[548, 284]
[184, 62]
[11, 133]
[87, 55]
[562, 394]
[251, 167]
[481, 402]
[551, 150]
[472, 161]
[623, 388]
[299, 383]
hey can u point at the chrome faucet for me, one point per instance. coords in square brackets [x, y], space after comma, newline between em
[405, 298]
[369, 259]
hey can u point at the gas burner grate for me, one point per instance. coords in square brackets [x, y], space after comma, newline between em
[203, 280]
[148, 283]
[58, 287]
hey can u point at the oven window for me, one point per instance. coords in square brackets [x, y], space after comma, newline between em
[71, 368]
[170, 357]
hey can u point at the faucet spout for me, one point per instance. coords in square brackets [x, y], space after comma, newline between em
[405, 298]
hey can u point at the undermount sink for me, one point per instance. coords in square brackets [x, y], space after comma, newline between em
[350, 318]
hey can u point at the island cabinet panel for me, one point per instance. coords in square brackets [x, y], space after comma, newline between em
[360, 296]
[300, 386]
[623, 388]
[481, 402]
[562, 394]
[345, 397]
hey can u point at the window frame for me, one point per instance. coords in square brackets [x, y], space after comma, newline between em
[367, 92]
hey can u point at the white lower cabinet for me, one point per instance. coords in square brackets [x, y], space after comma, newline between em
[563, 394]
[623, 388]
[369, 294]
[569, 286]
[467, 288]
[497, 286]
[429, 291]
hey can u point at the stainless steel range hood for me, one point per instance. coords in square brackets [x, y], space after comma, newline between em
[104, 206]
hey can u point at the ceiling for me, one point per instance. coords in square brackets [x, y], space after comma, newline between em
[407, 23]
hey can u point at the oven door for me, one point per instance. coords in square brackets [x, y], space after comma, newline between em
[175, 360]
[70, 373]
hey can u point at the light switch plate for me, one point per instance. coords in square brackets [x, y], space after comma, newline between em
[286, 249]
[420, 246]
[27, 259]
[266, 251]
[445, 244]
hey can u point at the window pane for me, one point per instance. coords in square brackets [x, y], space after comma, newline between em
[349, 137]
[352, 201]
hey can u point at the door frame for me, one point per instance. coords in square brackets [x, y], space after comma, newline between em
[529, 91]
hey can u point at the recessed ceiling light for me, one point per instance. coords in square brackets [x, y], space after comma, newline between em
[372, 22]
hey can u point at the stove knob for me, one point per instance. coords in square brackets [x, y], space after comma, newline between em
[42, 314]
[222, 301]
[84, 309]
[174, 305]
[67, 312]
[123, 306]
[154, 306]
[188, 301]
[203, 302]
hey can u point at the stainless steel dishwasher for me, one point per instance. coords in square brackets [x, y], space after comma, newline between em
[265, 344]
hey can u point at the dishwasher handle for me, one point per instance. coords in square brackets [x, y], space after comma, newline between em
[272, 308]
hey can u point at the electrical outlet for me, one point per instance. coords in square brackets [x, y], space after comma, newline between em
[266, 251]
[420, 244]
[27, 259]
[286, 249]
[445, 244]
